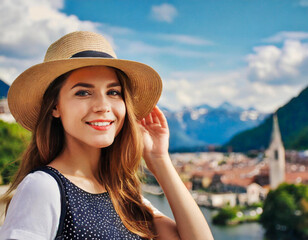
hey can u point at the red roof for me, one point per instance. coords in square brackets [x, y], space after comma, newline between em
[297, 177]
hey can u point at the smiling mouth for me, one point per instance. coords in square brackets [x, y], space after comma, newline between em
[99, 124]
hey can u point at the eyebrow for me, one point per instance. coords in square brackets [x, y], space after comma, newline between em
[88, 85]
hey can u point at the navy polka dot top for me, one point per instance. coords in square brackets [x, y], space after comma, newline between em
[90, 216]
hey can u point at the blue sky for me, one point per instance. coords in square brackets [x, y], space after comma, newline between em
[247, 52]
[227, 30]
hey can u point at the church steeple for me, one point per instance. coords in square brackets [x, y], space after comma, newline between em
[276, 136]
[276, 156]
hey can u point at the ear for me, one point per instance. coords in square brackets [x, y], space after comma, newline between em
[55, 112]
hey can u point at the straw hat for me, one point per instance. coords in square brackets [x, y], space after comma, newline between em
[72, 51]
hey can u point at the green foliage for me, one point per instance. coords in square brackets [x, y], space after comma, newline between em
[225, 215]
[301, 141]
[285, 212]
[13, 141]
[256, 138]
[222, 162]
[293, 123]
[229, 215]
[254, 205]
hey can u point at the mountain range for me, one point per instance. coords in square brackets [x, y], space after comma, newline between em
[197, 127]
[293, 124]
[4, 88]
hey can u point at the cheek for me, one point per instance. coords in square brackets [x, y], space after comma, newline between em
[121, 113]
[71, 111]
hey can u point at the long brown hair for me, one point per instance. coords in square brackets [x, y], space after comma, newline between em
[119, 162]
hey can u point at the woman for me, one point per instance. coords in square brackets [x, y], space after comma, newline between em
[92, 117]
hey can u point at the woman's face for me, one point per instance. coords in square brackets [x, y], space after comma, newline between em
[91, 107]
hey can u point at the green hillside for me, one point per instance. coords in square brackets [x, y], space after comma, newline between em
[293, 123]
[13, 140]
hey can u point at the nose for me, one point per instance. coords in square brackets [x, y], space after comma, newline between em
[101, 104]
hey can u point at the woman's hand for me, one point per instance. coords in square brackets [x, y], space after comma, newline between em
[155, 132]
[190, 222]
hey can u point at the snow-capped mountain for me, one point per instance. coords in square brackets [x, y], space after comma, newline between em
[205, 125]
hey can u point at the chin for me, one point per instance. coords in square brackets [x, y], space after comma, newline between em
[102, 145]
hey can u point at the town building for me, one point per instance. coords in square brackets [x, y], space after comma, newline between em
[218, 179]
[5, 113]
[276, 157]
[4, 107]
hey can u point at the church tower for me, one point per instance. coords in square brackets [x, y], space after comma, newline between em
[276, 157]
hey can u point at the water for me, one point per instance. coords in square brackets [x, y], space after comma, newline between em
[245, 231]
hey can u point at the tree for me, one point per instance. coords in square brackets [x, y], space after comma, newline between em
[285, 212]
[225, 215]
[13, 141]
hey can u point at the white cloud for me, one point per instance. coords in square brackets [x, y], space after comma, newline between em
[278, 65]
[184, 39]
[11, 67]
[263, 96]
[115, 30]
[303, 3]
[283, 36]
[139, 47]
[195, 88]
[272, 76]
[164, 12]
[28, 28]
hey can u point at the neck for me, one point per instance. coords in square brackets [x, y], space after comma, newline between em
[78, 160]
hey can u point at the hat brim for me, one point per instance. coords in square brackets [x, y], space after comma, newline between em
[26, 92]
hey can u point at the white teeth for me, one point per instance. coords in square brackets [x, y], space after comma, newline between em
[100, 124]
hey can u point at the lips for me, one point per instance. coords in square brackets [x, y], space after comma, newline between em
[100, 124]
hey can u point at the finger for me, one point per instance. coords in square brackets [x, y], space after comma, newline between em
[143, 122]
[160, 115]
[155, 118]
[140, 123]
[148, 119]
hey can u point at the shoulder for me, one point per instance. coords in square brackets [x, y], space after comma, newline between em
[38, 191]
[38, 183]
[34, 210]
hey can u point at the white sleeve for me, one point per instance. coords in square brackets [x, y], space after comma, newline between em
[35, 209]
[149, 204]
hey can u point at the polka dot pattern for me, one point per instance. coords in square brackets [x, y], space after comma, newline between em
[91, 216]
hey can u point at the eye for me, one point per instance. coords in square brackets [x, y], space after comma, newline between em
[82, 93]
[114, 93]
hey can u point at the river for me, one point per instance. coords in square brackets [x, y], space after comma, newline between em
[245, 231]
